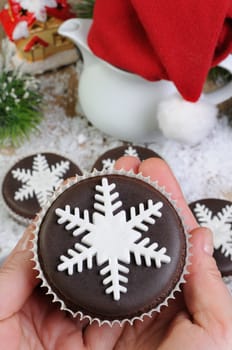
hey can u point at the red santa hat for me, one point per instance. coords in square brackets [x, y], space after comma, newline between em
[173, 40]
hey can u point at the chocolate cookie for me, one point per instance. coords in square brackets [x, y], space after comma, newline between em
[108, 253]
[216, 214]
[107, 159]
[29, 183]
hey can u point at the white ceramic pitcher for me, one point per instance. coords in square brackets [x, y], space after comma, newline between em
[120, 103]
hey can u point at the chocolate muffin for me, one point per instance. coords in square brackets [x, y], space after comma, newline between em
[109, 253]
[29, 183]
[216, 214]
[107, 159]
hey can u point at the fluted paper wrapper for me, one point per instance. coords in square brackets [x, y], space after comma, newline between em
[66, 185]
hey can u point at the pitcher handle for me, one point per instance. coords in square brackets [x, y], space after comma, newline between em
[224, 93]
[76, 29]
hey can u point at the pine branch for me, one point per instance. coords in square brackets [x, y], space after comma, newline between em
[85, 8]
[20, 111]
[219, 75]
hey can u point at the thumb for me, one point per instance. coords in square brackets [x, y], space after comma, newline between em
[206, 295]
[17, 277]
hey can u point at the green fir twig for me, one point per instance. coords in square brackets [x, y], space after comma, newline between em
[219, 75]
[20, 111]
[84, 8]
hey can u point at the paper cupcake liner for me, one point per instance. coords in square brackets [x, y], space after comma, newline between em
[228, 282]
[44, 283]
[20, 219]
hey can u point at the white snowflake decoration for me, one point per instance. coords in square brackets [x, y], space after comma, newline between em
[130, 151]
[41, 180]
[38, 7]
[219, 224]
[108, 164]
[111, 238]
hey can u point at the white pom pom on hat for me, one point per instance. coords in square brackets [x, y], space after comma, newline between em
[185, 121]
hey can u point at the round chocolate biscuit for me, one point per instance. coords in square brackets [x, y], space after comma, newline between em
[106, 160]
[216, 214]
[29, 183]
[109, 253]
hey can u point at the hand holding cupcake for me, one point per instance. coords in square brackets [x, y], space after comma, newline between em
[196, 319]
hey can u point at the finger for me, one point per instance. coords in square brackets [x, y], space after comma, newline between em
[104, 336]
[17, 277]
[159, 171]
[127, 163]
[206, 295]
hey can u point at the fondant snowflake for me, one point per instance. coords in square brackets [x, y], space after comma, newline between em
[130, 151]
[220, 225]
[41, 180]
[108, 164]
[112, 238]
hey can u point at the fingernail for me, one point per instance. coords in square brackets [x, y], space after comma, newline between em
[208, 242]
[127, 163]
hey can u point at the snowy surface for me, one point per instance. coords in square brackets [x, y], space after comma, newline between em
[203, 170]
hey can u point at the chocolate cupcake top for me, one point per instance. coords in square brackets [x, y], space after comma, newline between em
[29, 183]
[109, 253]
[107, 159]
[216, 214]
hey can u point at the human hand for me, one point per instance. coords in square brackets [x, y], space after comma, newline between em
[199, 318]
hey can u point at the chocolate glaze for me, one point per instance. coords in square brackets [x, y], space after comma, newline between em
[216, 205]
[29, 207]
[115, 153]
[147, 286]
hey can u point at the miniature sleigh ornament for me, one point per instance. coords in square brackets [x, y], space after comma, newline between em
[32, 37]
[107, 257]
